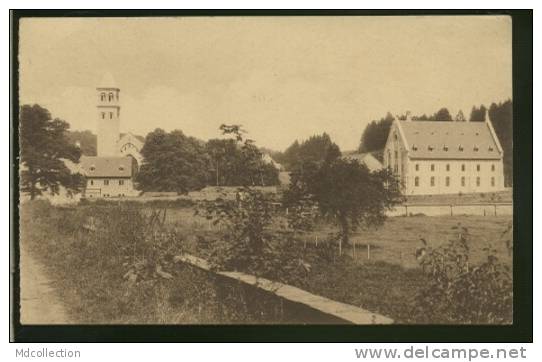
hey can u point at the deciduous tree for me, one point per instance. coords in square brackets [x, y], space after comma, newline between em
[44, 147]
[172, 162]
[347, 193]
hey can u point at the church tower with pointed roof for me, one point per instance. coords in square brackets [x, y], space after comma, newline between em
[108, 106]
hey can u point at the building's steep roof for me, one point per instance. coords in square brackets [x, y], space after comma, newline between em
[136, 136]
[366, 159]
[106, 166]
[450, 140]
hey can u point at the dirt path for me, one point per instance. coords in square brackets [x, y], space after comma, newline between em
[39, 303]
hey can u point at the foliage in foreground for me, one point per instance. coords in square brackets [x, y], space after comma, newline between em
[248, 242]
[124, 273]
[458, 292]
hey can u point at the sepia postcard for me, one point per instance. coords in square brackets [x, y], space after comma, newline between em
[266, 170]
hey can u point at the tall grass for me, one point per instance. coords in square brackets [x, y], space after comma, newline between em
[113, 263]
[111, 275]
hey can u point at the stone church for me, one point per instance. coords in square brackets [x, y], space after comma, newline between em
[431, 157]
[112, 171]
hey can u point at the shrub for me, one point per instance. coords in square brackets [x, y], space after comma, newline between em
[460, 293]
[248, 243]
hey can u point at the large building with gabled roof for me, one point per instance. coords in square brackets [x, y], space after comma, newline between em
[431, 157]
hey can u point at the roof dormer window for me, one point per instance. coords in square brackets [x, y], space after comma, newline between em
[92, 168]
[475, 148]
[429, 148]
[121, 168]
[460, 148]
[414, 148]
[445, 148]
[490, 149]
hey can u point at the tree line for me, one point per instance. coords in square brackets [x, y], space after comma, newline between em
[176, 162]
[374, 137]
[172, 161]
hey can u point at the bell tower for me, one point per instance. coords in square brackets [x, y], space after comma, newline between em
[108, 117]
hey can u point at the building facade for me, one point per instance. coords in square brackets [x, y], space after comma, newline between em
[108, 176]
[432, 157]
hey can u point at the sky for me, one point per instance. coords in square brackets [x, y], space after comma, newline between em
[282, 78]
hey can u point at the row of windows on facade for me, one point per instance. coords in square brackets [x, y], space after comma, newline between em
[110, 115]
[106, 182]
[417, 166]
[463, 167]
[109, 97]
[447, 181]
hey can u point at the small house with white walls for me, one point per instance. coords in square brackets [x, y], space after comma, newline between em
[431, 157]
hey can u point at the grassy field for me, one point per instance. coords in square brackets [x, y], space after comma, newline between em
[90, 269]
[396, 241]
[389, 281]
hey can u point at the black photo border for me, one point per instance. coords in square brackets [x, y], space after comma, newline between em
[520, 331]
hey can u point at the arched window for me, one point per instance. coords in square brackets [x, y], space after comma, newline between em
[463, 167]
[448, 167]
[478, 181]
[110, 96]
[102, 97]
[417, 167]
[416, 181]
[103, 115]
[493, 182]
[432, 180]
[110, 115]
[478, 168]
[447, 180]
[432, 167]
[463, 181]
[492, 167]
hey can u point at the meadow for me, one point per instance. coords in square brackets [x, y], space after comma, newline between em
[395, 242]
[122, 272]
